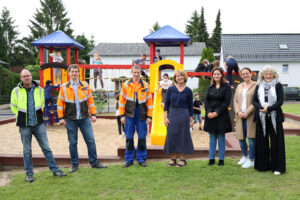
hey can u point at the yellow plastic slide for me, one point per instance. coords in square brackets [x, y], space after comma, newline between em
[158, 130]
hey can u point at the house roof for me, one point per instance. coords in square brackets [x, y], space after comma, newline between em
[136, 49]
[261, 47]
[57, 39]
[167, 36]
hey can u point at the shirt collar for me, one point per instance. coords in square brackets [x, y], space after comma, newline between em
[74, 83]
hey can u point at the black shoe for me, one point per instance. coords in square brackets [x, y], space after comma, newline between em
[200, 129]
[59, 173]
[142, 164]
[211, 162]
[127, 165]
[221, 163]
[29, 178]
[74, 168]
[99, 166]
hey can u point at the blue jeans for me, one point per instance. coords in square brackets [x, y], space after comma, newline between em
[88, 136]
[133, 124]
[213, 137]
[39, 132]
[197, 117]
[229, 73]
[243, 143]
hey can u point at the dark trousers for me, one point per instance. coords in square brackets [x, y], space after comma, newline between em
[229, 72]
[120, 125]
[270, 157]
[96, 74]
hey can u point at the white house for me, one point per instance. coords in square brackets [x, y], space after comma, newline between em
[124, 53]
[282, 51]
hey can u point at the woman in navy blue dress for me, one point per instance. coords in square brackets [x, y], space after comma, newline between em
[178, 120]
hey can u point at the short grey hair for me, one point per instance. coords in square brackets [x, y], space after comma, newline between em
[23, 71]
[73, 66]
[136, 67]
[264, 70]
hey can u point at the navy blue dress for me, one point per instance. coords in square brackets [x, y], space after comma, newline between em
[180, 108]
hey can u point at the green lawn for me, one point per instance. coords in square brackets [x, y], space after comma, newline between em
[291, 108]
[197, 180]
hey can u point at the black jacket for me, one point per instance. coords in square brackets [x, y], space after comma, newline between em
[276, 106]
[218, 100]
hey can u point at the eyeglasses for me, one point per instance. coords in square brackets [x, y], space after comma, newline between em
[26, 76]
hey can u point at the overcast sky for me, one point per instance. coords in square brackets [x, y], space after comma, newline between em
[130, 20]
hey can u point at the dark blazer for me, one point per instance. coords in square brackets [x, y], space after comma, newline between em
[218, 100]
[276, 106]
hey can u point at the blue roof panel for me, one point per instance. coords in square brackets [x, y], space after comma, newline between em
[57, 39]
[167, 36]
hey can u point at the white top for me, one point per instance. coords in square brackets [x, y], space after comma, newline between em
[244, 100]
[117, 112]
[165, 83]
[56, 58]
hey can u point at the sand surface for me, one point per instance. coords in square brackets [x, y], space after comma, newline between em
[105, 132]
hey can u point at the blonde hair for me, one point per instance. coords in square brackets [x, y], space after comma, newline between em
[264, 70]
[182, 73]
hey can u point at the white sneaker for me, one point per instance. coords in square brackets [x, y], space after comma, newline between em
[248, 164]
[242, 160]
[276, 173]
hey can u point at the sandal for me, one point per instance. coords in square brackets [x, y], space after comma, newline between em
[170, 164]
[181, 165]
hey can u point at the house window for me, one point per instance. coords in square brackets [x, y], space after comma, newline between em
[285, 68]
[283, 46]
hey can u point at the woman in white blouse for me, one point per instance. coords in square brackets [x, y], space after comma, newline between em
[244, 110]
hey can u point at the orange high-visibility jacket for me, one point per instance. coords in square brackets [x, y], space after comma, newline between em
[127, 100]
[66, 107]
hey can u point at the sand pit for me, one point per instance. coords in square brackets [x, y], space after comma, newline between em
[106, 136]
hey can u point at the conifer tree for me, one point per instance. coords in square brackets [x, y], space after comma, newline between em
[203, 34]
[192, 27]
[215, 40]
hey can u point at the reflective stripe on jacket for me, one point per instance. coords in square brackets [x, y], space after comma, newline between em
[127, 100]
[18, 103]
[66, 106]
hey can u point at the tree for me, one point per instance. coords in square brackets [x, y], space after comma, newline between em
[203, 34]
[51, 17]
[155, 27]
[192, 26]
[215, 40]
[208, 53]
[8, 37]
[88, 44]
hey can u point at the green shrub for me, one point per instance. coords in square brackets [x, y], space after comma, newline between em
[35, 71]
[9, 80]
[202, 87]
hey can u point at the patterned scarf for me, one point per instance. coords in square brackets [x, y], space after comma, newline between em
[267, 88]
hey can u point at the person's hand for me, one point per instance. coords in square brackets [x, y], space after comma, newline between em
[240, 114]
[244, 115]
[209, 115]
[265, 109]
[93, 119]
[123, 120]
[167, 122]
[148, 120]
[214, 114]
[62, 122]
[191, 122]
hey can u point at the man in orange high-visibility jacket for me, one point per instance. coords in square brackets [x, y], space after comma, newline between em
[135, 106]
[74, 105]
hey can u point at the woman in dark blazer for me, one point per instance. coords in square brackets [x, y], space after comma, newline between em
[217, 121]
[267, 100]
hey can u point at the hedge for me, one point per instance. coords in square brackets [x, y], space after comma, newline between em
[9, 80]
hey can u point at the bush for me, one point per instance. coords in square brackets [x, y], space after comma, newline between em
[35, 71]
[9, 80]
[202, 87]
